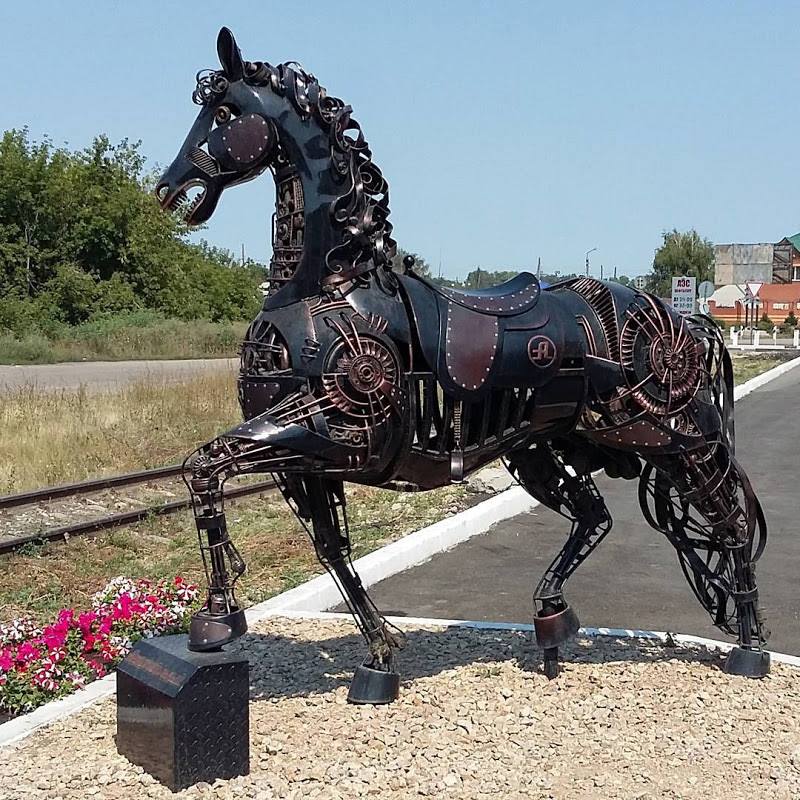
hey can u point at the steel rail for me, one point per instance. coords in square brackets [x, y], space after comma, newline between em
[84, 487]
[123, 518]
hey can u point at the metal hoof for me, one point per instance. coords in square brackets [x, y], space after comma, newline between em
[372, 686]
[750, 663]
[555, 629]
[212, 631]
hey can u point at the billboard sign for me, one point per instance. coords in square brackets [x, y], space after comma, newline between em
[684, 292]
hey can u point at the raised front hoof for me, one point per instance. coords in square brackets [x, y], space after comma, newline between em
[750, 663]
[555, 629]
[372, 686]
[213, 631]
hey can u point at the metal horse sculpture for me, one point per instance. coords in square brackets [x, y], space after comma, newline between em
[355, 372]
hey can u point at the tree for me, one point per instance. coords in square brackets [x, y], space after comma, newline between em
[680, 254]
[483, 278]
[81, 234]
[421, 266]
[623, 279]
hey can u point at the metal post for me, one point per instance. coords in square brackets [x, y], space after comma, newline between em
[587, 260]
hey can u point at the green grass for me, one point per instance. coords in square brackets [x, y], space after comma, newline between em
[140, 335]
[39, 581]
[748, 366]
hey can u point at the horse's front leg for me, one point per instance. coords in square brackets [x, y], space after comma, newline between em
[322, 503]
[220, 621]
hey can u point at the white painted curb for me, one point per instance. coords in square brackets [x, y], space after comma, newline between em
[20, 727]
[616, 633]
[320, 593]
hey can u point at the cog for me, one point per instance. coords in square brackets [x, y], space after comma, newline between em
[661, 360]
[364, 379]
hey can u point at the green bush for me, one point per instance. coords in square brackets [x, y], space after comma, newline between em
[82, 236]
[765, 323]
[132, 335]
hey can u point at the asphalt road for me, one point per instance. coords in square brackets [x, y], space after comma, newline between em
[105, 374]
[633, 580]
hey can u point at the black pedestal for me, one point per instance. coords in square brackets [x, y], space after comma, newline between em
[183, 716]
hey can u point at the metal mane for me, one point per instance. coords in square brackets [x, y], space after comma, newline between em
[360, 214]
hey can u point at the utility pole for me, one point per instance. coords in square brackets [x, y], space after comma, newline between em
[601, 272]
[539, 268]
[242, 253]
[587, 260]
[615, 273]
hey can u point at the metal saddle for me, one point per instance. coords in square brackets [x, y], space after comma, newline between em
[504, 300]
[463, 334]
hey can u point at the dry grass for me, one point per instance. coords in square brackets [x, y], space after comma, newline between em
[69, 435]
[40, 580]
[748, 366]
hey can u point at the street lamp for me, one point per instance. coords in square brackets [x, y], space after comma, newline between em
[587, 260]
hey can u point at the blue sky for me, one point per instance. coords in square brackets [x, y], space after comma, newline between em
[508, 131]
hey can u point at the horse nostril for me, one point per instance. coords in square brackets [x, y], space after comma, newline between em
[161, 191]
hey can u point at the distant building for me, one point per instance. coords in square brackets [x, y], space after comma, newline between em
[775, 300]
[761, 263]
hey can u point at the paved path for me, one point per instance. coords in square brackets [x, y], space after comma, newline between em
[105, 374]
[633, 579]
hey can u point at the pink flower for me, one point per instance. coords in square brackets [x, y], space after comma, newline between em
[6, 660]
[96, 667]
[76, 679]
[66, 618]
[27, 652]
[86, 620]
[43, 680]
[54, 636]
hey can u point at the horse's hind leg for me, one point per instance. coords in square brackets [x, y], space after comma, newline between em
[322, 502]
[543, 474]
[718, 547]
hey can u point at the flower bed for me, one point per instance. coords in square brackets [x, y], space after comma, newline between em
[41, 664]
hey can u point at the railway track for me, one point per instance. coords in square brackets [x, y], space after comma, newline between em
[65, 532]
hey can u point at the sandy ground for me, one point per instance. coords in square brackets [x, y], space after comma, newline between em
[476, 718]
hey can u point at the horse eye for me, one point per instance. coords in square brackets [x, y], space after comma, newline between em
[222, 115]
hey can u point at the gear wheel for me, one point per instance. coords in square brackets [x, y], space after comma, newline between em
[362, 378]
[660, 358]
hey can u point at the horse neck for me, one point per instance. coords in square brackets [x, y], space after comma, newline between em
[331, 207]
[302, 228]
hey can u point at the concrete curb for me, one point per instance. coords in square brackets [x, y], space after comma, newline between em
[20, 727]
[317, 594]
[321, 592]
[525, 627]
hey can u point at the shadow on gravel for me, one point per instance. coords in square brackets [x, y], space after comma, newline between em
[282, 666]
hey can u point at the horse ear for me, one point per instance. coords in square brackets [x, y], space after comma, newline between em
[229, 55]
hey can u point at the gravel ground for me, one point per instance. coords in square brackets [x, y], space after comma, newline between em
[475, 719]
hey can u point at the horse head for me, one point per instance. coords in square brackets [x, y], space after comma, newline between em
[330, 223]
